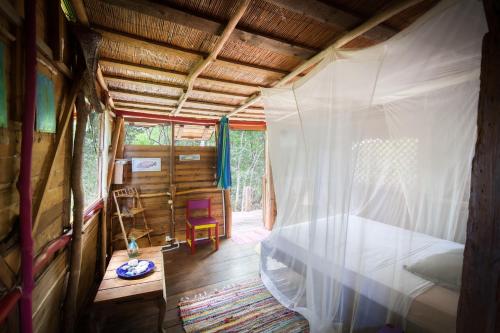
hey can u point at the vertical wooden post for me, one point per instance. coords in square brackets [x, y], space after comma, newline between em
[117, 131]
[479, 304]
[172, 175]
[24, 182]
[270, 200]
[228, 212]
[78, 207]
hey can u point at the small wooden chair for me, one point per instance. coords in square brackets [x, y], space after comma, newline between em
[194, 224]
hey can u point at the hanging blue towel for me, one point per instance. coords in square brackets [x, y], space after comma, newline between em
[223, 155]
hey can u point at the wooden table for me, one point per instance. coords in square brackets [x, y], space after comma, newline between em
[118, 298]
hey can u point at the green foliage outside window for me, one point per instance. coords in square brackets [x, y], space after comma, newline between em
[247, 168]
[91, 170]
[158, 135]
[247, 158]
[154, 135]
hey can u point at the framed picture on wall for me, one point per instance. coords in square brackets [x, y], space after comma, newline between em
[45, 104]
[146, 164]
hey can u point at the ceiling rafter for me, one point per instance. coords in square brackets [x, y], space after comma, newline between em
[160, 114]
[214, 27]
[174, 98]
[143, 106]
[202, 65]
[338, 43]
[334, 17]
[173, 85]
[171, 73]
[143, 42]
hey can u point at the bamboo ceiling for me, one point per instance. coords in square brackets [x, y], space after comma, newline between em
[152, 49]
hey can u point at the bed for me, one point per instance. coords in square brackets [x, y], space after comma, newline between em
[374, 268]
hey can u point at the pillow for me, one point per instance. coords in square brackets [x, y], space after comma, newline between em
[444, 269]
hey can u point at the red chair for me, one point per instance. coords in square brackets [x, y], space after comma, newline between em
[194, 224]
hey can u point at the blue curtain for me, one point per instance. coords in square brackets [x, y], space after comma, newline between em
[223, 155]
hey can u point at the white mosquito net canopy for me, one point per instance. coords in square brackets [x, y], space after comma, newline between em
[371, 157]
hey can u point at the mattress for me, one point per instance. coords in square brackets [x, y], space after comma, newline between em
[375, 256]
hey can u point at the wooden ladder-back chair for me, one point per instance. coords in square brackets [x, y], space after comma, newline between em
[124, 196]
[194, 224]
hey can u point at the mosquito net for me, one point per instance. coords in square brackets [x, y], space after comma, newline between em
[371, 156]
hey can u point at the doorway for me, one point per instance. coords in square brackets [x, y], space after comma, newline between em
[247, 172]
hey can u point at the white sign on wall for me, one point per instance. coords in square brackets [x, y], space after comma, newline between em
[146, 164]
[192, 157]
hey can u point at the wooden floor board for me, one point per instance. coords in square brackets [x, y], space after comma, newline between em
[188, 275]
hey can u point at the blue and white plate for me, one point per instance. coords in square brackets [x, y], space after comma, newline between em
[126, 271]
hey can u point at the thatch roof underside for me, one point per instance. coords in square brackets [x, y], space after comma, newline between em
[150, 47]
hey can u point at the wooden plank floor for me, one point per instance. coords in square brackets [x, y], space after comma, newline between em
[188, 275]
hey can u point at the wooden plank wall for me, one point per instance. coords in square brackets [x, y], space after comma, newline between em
[191, 175]
[188, 175]
[49, 293]
[88, 281]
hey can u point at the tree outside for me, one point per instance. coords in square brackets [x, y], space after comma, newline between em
[247, 169]
[90, 171]
[158, 135]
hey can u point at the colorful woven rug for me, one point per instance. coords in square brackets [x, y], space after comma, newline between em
[242, 307]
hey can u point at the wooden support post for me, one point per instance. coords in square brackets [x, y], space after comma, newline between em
[117, 131]
[173, 188]
[228, 212]
[202, 65]
[78, 207]
[479, 304]
[269, 196]
[121, 143]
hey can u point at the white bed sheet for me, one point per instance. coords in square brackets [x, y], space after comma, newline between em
[376, 254]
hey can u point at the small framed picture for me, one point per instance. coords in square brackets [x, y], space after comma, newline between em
[146, 164]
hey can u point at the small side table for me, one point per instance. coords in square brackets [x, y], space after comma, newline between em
[119, 298]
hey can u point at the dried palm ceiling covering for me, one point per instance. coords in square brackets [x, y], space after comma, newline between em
[151, 48]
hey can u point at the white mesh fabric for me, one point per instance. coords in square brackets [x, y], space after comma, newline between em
[371, 158]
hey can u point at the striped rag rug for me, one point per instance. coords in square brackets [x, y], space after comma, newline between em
[241, 307]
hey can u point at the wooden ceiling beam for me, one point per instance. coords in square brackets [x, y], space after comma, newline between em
[202, 65]
[171, 73]
[341, 41]
[161, 47]
[334, 17]
[213, 27]
[173, 98]
[122, 104]
[80, 12]
[139, 106]
[174, 85]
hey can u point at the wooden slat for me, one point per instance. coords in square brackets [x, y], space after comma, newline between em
[174, 99]
[80, 11]
[338, 43]
[334, 17]
[119, 127]
[171, 73]
[170, 14]
[174, 85]
[143, 42]
[61, 136]
[10, 13]
[202, 65]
